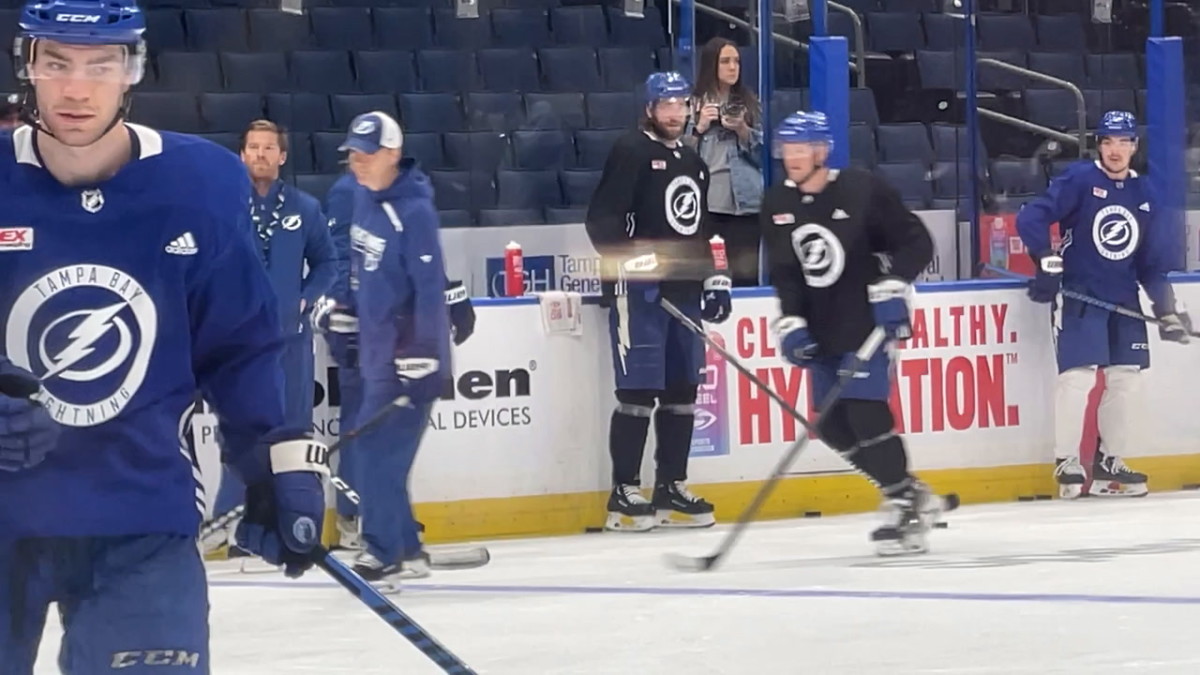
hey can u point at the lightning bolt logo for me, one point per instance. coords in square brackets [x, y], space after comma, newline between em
[96, 325]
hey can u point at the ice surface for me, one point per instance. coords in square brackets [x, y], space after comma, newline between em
[1049, 587]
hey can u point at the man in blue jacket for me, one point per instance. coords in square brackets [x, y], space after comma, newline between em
[291, 232]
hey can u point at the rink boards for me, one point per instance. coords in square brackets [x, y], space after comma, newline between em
[521, 447]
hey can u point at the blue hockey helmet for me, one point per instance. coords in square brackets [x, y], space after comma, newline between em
[83, 22]
[668, 84]
[803, 127]
[1117, 124]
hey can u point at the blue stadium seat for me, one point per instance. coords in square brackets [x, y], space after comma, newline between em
[347, 28]
[222, 111]
[1057, 166]
[527, 189]
[426, 148]
[300, 112]
[1099, 101]
[594, 145]
[629, 31]
[951, 179]
[521, 28]
[455, 33]
[345, 107]
[570, 69]
[863, 6]
[509, 69]
[274, 31]
[910, 179]
[494, 111]
[940, 70]
[943, 32]
[543, 149]
[217, 30]
[189, 71]
[510, 217]
[1113, 71]
[895, 31]
[992, 78]
[749, 64]
[625, 68]
[840, 24]
[570, 215]
[904, 142]
[317, 184]
[579, 25]
[909, 5]
[784, 102]
[1063, 65]
[432, 112]
[862, 106]
[578, 186]
[1054, 108]
[403, 27]
[463, 190]
[447, 70]
[1017, 177]
[167, 111]
[164, 30]
[1005, 32]
[610, 110]
[325, 151]
[455, 218]
[322, 72]
[300, 153]
[554, 111]
[862, 146]
[1062, 33]
[225, 139]
[257, 72]
[477, 151]
[386, 71]
[950, 143]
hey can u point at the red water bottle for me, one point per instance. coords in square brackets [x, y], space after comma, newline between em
[514, 270]
[720, 260]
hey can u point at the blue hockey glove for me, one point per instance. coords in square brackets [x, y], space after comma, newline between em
[715, 302]
[889, 303]
[27, 432]
[1044, 287]
[796, 344]
[462, 314]
[284, 513]
[1177, 326]
[339, 326]
[419, 377]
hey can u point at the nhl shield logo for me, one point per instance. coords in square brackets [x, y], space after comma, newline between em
[92, 200]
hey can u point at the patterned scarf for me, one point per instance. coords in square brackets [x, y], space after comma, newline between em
[266, 228]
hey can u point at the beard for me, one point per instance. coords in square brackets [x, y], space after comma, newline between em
[666, 133]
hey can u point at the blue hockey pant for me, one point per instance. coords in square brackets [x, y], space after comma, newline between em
[133, 604]
[1090, 336]
[651, 350]
[350, 385]
[875, 385]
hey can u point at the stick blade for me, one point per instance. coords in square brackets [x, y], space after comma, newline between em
[459, 558]
[687, 563]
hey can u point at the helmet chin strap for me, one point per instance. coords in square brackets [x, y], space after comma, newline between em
[29, 113]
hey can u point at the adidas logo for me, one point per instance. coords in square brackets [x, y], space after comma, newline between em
[184, 244]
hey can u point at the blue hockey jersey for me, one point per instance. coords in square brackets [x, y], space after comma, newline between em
[299, 234]
[1111, 240]
[398, 274]
[126, 298]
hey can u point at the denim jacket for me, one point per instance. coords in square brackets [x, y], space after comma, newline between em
[745, 165]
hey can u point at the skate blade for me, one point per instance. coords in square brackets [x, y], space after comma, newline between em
[675, 519]
[1074, 491]
[619, 522]
[258, 566]
[1115, 489]
[909, 545]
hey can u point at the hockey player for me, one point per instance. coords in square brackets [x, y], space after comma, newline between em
[1111, 243]
[826, 233]
[293, 235]
[646, 221]
[335, 317]
[398, 282]
[128, 282]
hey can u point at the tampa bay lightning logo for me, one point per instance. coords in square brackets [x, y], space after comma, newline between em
[1115, 232]
[683, 205]
[820, 254]
[305, 531]
[87, 332]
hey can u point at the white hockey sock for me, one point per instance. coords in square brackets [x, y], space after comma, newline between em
[1070, 407]
[1120, 409]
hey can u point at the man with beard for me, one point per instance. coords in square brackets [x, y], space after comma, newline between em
[291, 232]
[646, 221]
[1112, 241]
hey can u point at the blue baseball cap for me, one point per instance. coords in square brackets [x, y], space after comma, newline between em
[373, 131]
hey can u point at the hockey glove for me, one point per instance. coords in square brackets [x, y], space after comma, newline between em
[419, 377]
[716, 303]
[340, 328]
[1044, 287]
[889, 303]
[1176, 326]
[796, 344]
[284, 513]
[462, 314]
[27, 432]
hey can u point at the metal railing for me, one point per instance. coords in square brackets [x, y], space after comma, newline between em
[860, 40]
[1080, 137]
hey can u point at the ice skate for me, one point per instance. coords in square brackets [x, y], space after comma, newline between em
[385, 578]
[349, 534]
[1111, 478]
[907, 522]
[629, 511]
[675, 506]
[1071, 476]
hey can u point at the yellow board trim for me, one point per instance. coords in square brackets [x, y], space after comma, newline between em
[575, 513]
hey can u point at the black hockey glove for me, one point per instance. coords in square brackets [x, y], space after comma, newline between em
[1045, 286]
[27, 431]
[462, 314]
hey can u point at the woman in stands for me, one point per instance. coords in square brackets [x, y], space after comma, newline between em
[726, 129]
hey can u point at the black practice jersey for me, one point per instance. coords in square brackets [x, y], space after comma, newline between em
[826, 248]
[652, 199]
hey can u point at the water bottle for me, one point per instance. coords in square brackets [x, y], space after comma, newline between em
[999, 243]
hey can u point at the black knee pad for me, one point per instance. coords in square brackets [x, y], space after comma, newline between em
[636, 402]
[870, 421]
[834, 428]
[679, 399]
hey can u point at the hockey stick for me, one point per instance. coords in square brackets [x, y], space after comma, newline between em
[1087, 299]
[872, 344]
[390, 613]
